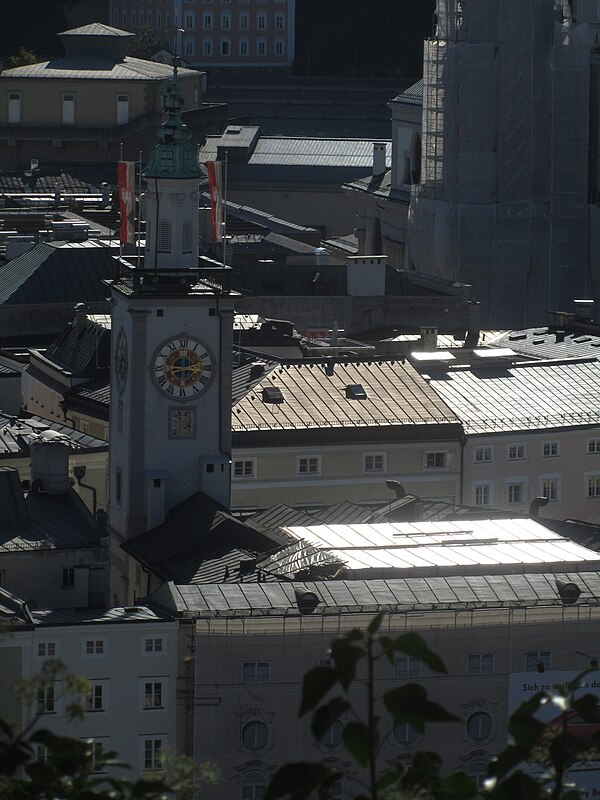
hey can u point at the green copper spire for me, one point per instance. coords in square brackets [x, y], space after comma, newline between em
[174, 156]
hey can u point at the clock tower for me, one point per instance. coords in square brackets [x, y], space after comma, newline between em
[170, 410]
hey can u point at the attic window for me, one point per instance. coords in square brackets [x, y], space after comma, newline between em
[355, 391]
[272, 394]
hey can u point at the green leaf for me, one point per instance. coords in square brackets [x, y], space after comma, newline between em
[587, 707]
[409, 703]
[456, 786]
[325, 716]
[356, 741]
[391, 778]
[375, 623]
[517, 786]
[346, 657]
[297, 781]
[411, 644]
[507, 760]
[317, 683]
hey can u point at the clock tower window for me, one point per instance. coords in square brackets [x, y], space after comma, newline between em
[187, 236]
[164, 236]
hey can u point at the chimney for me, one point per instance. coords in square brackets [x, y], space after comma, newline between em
[429, 339]
[366, 275]
[321, 256]
[80, 317]
[50, 464]
[584, 310]
[106, 194]
[561, 320]
[379, 158]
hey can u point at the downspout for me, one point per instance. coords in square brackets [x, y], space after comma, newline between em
[463, 442]
[79, 472]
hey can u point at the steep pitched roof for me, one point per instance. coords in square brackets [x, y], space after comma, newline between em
[83, 348]
[57, 272]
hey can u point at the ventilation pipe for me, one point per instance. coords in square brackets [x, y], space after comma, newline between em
[50, 464]
[379, 158]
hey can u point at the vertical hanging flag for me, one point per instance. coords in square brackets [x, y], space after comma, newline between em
[126, 177]
[215, 185]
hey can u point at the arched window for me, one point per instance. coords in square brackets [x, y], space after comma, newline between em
[253, 786]
[164, 236]
[255, 735]
[479, 726]
[376, 241]
[333, 737]
[477, 770]
[187, 236]
[405, 734]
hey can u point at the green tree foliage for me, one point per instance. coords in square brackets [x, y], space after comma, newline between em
[549, 749]
[22, 58]
[71, 769]
[145, 44]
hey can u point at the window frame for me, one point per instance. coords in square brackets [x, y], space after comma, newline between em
[98, 649]
[259, 673]
[407, 668]
[553, 448]
[534, 657]
[516, 446]
[382, 456]
[433, 456]
[483, 449]
[303, 473]
[476, 663]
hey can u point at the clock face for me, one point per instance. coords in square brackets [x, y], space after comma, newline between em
[183, 368]
[121, 361]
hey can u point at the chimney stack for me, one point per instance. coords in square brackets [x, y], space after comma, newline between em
[50, 464]
[429, 339]
[80, 317]
[379, 158]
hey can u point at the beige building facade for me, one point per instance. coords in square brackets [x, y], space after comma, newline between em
[221, 34]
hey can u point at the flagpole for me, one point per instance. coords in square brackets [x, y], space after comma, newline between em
[225, 215]
[139, 210]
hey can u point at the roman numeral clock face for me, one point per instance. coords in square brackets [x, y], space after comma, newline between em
[183, 368]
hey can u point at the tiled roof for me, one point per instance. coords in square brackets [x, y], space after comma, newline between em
[16, 435]
[83, 349]
[195, 535]
[395, 395]
[527, 396]
[90, 67]
[412, 96]
[57, 272]
[405, 594]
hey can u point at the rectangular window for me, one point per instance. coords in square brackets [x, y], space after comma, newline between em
[207, 19]
[182, 423]
[244, 21]
[68, 109]
[516, 452]
[549, 488]
[256, 672]
[95, 698]
[118, 485]
[226, 20]
[261, 47]
[279, 47]
[225, 47]
[482, 494]
[406, 667]
[536, 659]
[153, 753]
[68, 577]
[593, 446]
[122, 109]
[47, 650]
[374, 462]
[207, 47]
[153, 645]
[153, 694]
[45, 700]
[279, 22]
[593, 486]
[97, 750]
[483, 454]
[14, 108]
[243, 47]
[308, 465]
[94, 647]
[244, 468]
[515, 493]
[550, 449]
[436, 460]
[190, 21]
[261, 21]
[480, 664]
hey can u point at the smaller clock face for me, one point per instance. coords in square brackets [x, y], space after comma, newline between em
[183, 368]
[121, 361]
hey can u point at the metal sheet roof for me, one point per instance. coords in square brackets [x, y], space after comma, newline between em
[401, 594]
[526, 396]
[90, 67]
[396, 395]
[16, 434]
[432, 545]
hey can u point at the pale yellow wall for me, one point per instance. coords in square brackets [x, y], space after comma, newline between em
[95, 100]
[342, 476]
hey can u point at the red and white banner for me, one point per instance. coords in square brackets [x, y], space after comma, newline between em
[215, 185]
[126, 177]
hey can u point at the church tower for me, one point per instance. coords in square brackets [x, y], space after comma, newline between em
[170, 411]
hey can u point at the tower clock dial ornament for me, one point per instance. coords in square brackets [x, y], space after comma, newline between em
[121, 361]
[183, 368]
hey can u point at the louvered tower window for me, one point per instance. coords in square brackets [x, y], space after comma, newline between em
[164, 236]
